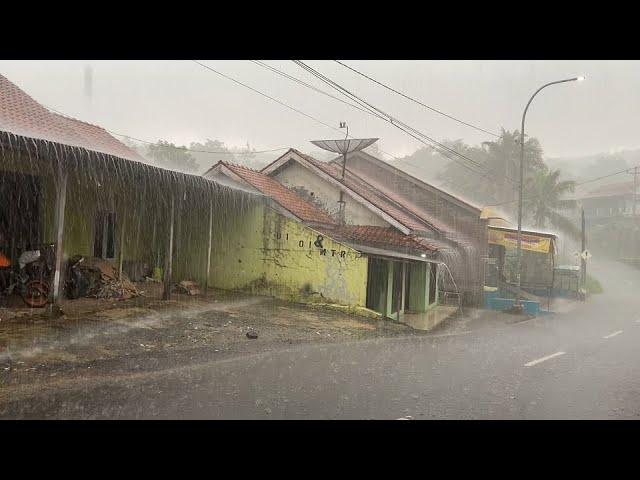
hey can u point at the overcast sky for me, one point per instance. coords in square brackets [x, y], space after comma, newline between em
[182, 102]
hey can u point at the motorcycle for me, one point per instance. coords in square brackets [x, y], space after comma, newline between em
[32, 279]
[78, 284]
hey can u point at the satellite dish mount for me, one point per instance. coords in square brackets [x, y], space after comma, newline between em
[344, 146]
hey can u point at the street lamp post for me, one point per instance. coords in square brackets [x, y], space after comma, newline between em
[517, 304]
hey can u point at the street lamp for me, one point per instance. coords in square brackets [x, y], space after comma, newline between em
[517, 304]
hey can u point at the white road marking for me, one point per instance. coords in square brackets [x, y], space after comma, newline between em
[408, 417]
[613, 334]
[540, 360]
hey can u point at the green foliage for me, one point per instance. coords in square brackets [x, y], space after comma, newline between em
[544, 201]
[593, 285]
[168, 155]
[500, 159]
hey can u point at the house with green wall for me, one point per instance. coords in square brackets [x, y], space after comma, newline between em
[370, 266]
[71, 184]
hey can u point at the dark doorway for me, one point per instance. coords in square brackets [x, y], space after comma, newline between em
[104, 235]
[407, 285]
[20, 213]
[377, 276]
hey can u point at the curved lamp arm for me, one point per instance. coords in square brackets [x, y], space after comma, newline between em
[524, 114]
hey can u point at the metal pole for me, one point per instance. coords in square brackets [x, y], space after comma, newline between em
[583, 262]
[517, 304]
[635, 190]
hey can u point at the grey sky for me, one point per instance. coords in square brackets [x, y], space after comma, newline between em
[182, 102]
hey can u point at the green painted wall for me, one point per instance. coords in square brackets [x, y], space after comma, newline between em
[300, 269]
[419, 287]
[253, 247]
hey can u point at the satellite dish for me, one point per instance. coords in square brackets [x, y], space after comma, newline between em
[344, 146]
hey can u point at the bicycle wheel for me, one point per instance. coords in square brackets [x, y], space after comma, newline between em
[36, 294]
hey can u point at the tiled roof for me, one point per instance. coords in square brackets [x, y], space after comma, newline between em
[22, 115]
[287, 198]
[383, 237]
[406, 204]
[416, 179]
[375, 198]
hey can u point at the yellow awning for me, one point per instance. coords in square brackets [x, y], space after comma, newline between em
[509, 239]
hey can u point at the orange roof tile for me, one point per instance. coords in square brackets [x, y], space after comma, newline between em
[385, 237]
[21, 115]
[376, 198]
[284, 196]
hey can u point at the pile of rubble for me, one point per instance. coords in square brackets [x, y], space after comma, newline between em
[188, 287]
[103, 281]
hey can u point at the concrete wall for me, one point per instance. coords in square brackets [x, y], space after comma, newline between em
[296, 267]
[253, 247]
[326, 195]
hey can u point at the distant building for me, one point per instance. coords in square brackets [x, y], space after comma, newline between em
[612, 231]
[608, 201]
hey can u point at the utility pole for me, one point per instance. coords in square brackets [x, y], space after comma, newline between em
[635, 191]
[583, 261]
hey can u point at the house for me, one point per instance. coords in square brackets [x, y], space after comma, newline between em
[612, 229]
[71, 184]
[608, 201]
[373, 266]
[374, 193]
[283, 200]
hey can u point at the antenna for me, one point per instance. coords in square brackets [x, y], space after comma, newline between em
[344, 146]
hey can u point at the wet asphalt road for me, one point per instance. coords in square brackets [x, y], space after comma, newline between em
[584, 364]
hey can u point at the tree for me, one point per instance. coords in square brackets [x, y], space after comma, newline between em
[247, 156]
[499, 160]
[170, 156]
[204, 156]
[544, 201]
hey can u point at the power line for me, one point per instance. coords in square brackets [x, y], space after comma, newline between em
[394, 121]
[389, 118]
[417, 101]
[307, 85]
[364, 106]
[174, 146]
[278, 101]
[575, 185]
[265, 95]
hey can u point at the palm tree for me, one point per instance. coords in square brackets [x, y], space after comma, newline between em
[544, 203]
[502, 160]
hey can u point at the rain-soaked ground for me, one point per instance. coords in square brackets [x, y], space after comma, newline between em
[109, 337]
[581, 363]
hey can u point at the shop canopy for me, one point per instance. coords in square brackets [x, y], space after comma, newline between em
[533, 241]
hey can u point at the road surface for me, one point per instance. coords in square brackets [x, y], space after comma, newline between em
[584, 364]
